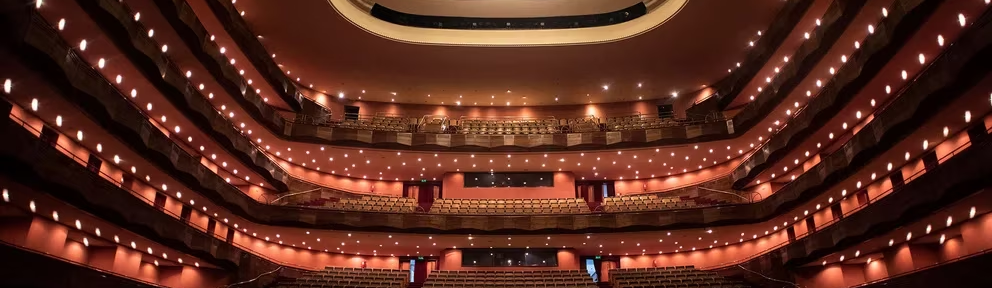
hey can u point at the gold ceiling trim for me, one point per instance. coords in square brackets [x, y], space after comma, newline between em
[356, 12]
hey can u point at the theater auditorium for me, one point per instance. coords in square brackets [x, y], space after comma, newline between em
[496, 143]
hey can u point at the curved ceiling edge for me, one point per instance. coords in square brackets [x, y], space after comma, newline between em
[503, 38]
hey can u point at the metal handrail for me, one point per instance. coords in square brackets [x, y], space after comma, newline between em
[294, 194]
[253, 279]
[727, 193]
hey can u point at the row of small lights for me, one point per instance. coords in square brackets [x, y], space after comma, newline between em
[755, 236]
[909, 237]
[819, 84]
[7, 196]
[102, 63]
[858, 115]
[164, 188]
[778, 125]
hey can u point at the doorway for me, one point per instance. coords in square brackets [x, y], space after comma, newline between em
[591, 269]
[591, 264]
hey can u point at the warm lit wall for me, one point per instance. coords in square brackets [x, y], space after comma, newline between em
[684, 102]
[635, 186]
[451, 259]
[349, 184]
[312, 259]
[831, 276]
[45, 236]
[454, 188]
[875, 270]
[707, 257]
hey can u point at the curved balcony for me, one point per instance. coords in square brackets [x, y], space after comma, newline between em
[166, 77]
[67, 180]
[891, 33]
[248, 43]
[837, 162]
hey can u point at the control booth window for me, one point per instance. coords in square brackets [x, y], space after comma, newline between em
[509, 257]
[509, 179]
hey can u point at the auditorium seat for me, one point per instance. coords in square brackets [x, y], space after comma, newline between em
[510, 207]
[379, 122]
[338, 277]
[584, 124]
[501, 279]
[508, 126]
[433, 124]
[638, 121]
[373, 203]
[665, 277]
[649, 202]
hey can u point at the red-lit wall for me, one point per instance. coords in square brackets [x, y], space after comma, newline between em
[349, 184]
[636, 186]
[454, 188]
[313, 259]
[47, 237]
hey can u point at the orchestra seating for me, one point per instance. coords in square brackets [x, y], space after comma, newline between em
[510, 206]
[665, 277]
[508, 126]
[338, 277]
[628, 203]
[371, 203]
[378, 122]
[501, 279]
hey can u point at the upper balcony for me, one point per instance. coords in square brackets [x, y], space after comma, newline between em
[439, 132]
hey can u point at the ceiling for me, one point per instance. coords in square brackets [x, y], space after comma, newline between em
[505, 8]
[687, 52]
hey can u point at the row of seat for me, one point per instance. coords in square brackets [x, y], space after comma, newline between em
[370, 203]
[525, 126]
[440, 124]
[510, 207]
[677, 277]
[540, 278]
[584, 124]
[335, 277]
[628, 203]
[635, 122]
[378, 123]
